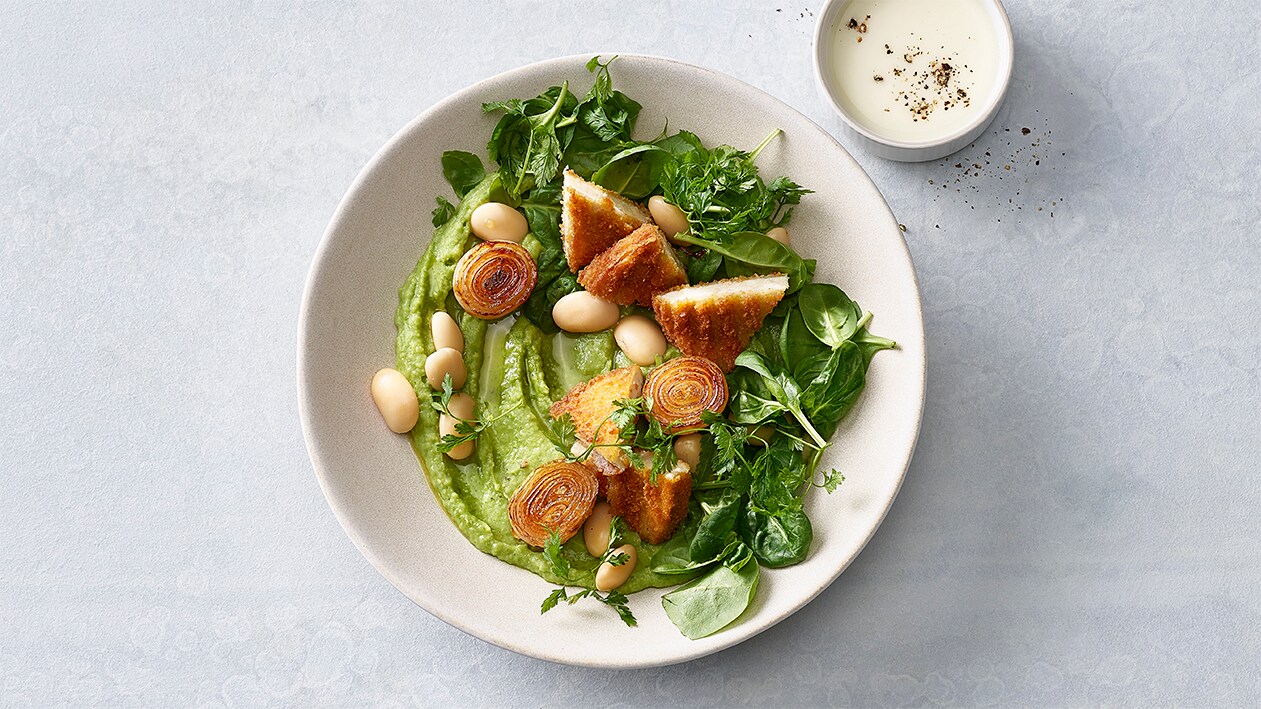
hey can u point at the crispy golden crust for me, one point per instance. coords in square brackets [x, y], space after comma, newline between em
[590, 404]
[717, 328]
[654, 510]
[590, 224]
[633, 270]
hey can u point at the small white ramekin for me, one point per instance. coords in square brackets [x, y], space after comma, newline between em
[915, 151]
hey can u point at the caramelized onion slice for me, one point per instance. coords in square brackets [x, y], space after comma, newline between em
[684, 388]
[558, 496]
[494, 278]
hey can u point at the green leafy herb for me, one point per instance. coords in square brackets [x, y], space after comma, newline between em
[757, 253]
[524, 142]
[633, 440]
[779, 539]
[553, 553]
[828, 313]
[555, 558]
[722, 194]
[536, 136]
[783, 388]
[465, 430]
[832, 479]
[443, 212]
[705, 605]
[463, 170]
[716, 526]
[607, 113]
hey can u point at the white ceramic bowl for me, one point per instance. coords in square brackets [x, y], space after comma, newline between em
[375, 484]
[907, 151]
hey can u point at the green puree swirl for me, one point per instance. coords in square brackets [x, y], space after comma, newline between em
[511, 365]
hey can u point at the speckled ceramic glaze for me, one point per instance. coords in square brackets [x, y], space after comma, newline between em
[374, 483]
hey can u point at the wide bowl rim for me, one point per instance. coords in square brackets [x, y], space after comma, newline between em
[732, 636]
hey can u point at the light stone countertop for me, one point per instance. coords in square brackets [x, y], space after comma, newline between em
[1079, 526]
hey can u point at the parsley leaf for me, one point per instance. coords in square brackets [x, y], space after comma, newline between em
[552, 599]
[832, 479]
[465, 430]
[552, 552]
[443, 212]
[722, 193]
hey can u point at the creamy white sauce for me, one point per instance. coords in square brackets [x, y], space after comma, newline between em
[924, 69]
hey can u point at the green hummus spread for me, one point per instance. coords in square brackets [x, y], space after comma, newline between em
[512, 366]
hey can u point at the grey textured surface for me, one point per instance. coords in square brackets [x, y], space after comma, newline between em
[1079, 524]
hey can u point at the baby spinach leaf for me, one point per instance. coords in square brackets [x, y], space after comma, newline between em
[783, 388]
[828, 313]
[675, 558]
[871, 344]
[718, 523]
[524, 142]
[586, 152]
[680, 143]
[703, 268]
[833, 389]
[710, 603]
[463, 170]
[777, 540]
[796, 343]
[749, 408]
[632, 172]
[759, 252]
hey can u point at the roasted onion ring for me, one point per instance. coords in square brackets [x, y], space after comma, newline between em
[682, 389]
[557, 497]
[494, 278]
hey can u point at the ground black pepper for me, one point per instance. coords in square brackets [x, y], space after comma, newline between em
[922, 91]
[981, 180]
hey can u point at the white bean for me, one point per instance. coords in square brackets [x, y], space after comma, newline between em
[688, 449]
[670, 218]
[395, 399]
[446, 333]
[496, 221]
[595, 531]
[443, 362]
[446, 427]
[779, 234]
[583, 312]
[640, 339]
[461, 406]
[609, 577]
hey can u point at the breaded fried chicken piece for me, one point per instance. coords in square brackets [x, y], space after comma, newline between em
[635, 269]
[717, 320]
[593, 219]
[654, 510]
[590, 404]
